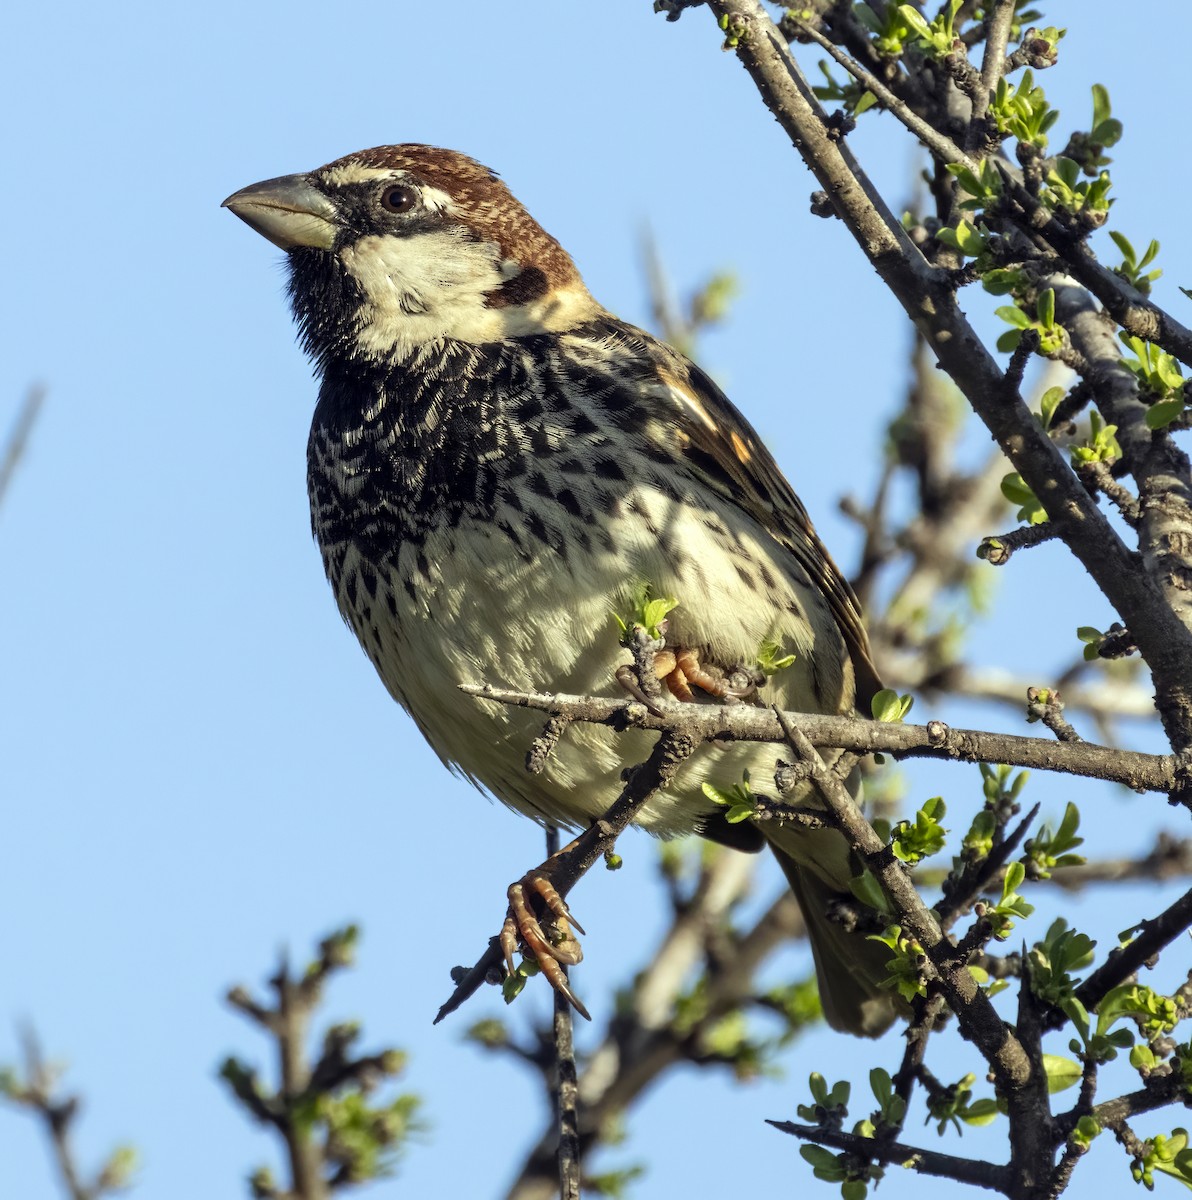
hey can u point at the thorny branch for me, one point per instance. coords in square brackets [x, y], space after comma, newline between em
[978, 1019]
[1142, 772]
[1150, 587]
[1144, 599]
[1149, 599]
[1153, 936]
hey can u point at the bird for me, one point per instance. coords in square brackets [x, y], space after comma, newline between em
[496, 465]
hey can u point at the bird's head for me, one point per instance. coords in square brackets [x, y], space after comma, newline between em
[397, 247]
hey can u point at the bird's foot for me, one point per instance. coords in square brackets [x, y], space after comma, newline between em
[540, 922]
[681, 670]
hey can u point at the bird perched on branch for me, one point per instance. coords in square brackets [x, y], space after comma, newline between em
[496, 465]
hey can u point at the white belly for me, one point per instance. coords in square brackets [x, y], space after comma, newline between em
[483, 612]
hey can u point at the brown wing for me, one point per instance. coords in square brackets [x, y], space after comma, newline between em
[741, 467]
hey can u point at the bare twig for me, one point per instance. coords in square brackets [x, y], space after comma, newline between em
[566, 1093]
[938, 143]
[646, 1038]
[1045, 704]
[978, 1019]
[996, 550]
[1098, 476]
[999, 17]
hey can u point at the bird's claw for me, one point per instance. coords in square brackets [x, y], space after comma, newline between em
[523, 927]
[628, 680]
[681, 670]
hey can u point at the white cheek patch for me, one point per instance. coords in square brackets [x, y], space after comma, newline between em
[424, 288]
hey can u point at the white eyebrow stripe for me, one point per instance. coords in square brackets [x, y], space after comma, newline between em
[432, 197]
[356, 173]
[437, 199]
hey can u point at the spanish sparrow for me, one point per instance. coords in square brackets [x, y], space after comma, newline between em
[497, 464]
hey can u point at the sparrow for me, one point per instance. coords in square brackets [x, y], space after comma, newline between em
[496, 465]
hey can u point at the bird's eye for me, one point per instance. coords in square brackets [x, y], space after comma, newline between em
[399, 199]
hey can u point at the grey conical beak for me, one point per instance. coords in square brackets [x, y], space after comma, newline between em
[290, 211]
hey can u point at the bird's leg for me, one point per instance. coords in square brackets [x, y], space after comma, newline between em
[540, 922]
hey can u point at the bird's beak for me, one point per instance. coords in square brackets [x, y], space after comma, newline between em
[289, 211]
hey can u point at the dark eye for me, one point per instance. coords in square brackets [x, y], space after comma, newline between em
[399, 199]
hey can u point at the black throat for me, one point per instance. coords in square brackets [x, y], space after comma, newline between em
[395, 450]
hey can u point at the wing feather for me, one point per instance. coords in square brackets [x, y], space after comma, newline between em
[744, 470]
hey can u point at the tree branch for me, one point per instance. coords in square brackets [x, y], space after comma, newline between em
[669, 753]
[58, 1113]
[1122, 962]
[926, 1162]
[929, 299]
[740, 722]
[18, 438]
[978, 1019]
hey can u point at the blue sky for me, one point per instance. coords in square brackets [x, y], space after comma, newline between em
[199, 765]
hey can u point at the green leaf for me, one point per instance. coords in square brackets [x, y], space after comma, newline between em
[914, 840]
[647, 612]
[867, 101]
[714, 794]
[1086, 1129]
[889, 706]
[1101, 109]
[1013, 315]
[1048, 403]
[770, 658]
[1162, 413]
[738, 798]
[914, 20]
[1062, 1073]
[1107, 133]
[866, 888]
[1045, 307]
[1122, 243]
[1019, 492]
[980, 1112]
[905, 975]
[1015, 874]
[1050, 851]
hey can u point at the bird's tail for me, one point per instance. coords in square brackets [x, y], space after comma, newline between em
[848, 965]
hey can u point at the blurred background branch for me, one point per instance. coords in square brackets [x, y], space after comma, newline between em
[17, 441]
